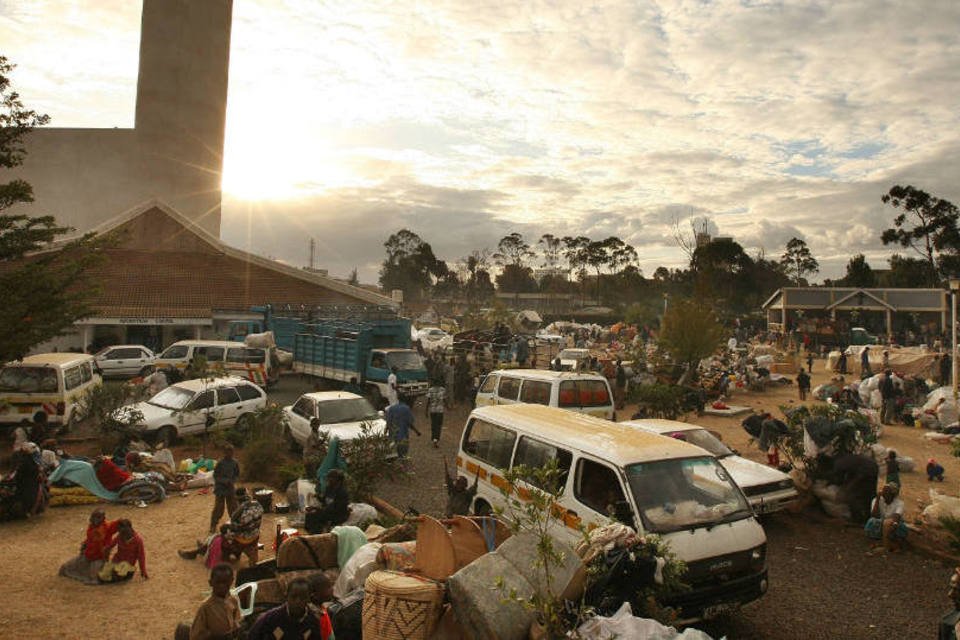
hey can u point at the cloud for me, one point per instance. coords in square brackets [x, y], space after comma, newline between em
[465, 121]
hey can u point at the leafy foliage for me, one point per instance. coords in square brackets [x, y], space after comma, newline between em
[410, 265]
[691, 331]
[668, 401]
[926, 224]
[854, 432]
[859, 273]
[262, 458]
[797, 260]
[101, 403]
[368, 459]
[43, 293]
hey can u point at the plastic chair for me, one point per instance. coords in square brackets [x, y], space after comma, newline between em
[250, 587]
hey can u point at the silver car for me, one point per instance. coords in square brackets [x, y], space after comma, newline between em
[125, 361]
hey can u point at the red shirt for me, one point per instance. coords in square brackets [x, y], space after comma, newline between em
[131, 551]
[99, 539]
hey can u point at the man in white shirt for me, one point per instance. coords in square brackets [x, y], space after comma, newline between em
[886, 518]
[392, 387]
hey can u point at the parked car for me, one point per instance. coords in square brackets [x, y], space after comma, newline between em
[574, 359]
[767, 489]
[183, 408]
[125, 361]
[341, 414]
[434, 338]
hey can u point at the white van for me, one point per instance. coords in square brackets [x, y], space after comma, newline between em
[48, 383]
[258, 365]
[767, 489]
[583, 392]
[657, 485]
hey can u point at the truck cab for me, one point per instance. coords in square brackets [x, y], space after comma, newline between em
[411, 372]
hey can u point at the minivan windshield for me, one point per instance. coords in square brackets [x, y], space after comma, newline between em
[404, 360]
[685, 494]
[348, 410]
[172, 398]
[703, 439]
[28, 379]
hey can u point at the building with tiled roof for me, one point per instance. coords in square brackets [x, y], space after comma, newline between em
[166, 279]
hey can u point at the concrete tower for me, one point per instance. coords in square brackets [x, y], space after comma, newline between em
[182, 101]
[174, 153]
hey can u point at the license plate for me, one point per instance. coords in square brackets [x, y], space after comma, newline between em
[717, 610]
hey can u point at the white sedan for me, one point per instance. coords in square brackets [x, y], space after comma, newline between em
[125, 360]
[342, 414]
[767, 489]
[435, 338]
[195, 406]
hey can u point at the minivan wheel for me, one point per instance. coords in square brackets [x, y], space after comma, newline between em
[166, 436]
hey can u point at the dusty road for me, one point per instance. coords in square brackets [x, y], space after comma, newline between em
[823, 582]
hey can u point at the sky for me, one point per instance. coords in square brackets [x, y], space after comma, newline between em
[467, 120]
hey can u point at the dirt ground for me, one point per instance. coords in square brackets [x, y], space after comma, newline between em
[823, 582]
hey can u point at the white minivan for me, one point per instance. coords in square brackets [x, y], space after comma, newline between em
[655, 484]
[767, 489]
[47, 383]
[583, 392]
[256, 364]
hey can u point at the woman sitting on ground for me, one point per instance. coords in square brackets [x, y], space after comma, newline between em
[335, 505]
[130, 553]
[93, 551]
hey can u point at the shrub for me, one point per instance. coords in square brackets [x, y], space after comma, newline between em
[854, 432]
[100, 404]
[661, 400]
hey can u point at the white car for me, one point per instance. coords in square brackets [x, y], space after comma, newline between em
[574, 359]
[183, 408]
[125, 361]
[435, 338]
[767, 489]
[341, 414]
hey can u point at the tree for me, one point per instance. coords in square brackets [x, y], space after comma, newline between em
[410, 265]
[516, 279]
[907, 273]
[552, 249]
[691, 332]
[512, 249]
[353, 278]
[933, 234]
[798, 261]
[44, 289]
[859, 273]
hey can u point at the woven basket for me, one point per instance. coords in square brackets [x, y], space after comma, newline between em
[398, 606]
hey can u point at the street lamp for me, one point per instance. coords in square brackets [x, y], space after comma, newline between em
[954, 282]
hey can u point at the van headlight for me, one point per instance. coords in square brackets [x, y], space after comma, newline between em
[758, 557]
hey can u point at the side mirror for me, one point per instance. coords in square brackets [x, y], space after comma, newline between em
[380, 413]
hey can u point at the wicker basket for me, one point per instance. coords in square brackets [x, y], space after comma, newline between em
[398, 606]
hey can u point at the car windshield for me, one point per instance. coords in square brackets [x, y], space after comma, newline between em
[685, 494]
[404, 360]
[703, 439]
[172, 398]
[28, 379]
[348, 410]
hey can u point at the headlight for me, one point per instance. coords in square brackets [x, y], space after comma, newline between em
[758, 557]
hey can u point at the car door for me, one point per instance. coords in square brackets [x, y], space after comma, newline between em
[301, 413]
[598, 494]
[193, 419]
[228, 405]
[508, 390]
[486, 395]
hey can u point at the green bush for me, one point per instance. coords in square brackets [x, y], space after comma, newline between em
[100, 403]
[661, 400]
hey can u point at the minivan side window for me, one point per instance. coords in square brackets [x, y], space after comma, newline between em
[583, 393]
[212, 354]
[72, 378]
[509, 388]
[175, 352]
[489, 384]
[598, 487]
[490, 443]
[535, 392]
[534, 453]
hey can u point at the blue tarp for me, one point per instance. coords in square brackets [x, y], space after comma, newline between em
[83, 474]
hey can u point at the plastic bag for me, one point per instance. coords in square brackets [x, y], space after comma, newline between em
[625, 626]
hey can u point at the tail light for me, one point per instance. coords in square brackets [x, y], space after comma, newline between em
[61, 408]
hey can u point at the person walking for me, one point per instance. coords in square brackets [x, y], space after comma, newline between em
[620, 384]
[865, 370]
[392, 387]
[888, 392]
[449, 375]
[399, 424]
[434, 406]
[803, 384]
[225, 476]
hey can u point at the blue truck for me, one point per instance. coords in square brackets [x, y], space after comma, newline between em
[339, 344]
